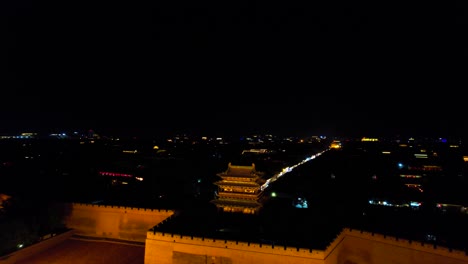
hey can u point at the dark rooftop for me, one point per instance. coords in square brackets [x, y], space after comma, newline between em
[276, 223]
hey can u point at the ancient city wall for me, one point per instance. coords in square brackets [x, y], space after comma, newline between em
[349, 247]
[177, 249]
[116, 222]
[354, 246]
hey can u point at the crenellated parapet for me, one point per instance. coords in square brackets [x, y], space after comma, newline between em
[115, 222]
[161, 246]
[235, 245]
[350, 246]
[120, 208]
[420, 246]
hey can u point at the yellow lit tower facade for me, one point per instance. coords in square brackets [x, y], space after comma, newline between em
[239, 189]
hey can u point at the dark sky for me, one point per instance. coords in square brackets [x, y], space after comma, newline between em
[234, 67]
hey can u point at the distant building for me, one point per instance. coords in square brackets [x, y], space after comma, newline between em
[239, 189]
[335, 144]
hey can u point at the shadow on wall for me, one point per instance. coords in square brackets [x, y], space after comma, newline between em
[114, 222]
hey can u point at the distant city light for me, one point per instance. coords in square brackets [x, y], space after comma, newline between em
[289, 169]
[114, 174]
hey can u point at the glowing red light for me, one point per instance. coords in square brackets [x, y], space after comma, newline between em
[114, 174]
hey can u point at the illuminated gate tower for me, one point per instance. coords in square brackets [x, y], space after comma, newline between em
[239, 189]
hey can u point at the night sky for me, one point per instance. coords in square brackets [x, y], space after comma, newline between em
[234, 67]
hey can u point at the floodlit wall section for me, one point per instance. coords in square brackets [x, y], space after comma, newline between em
[116, 222]
[350, 247]
[164, 248]
[355, 247]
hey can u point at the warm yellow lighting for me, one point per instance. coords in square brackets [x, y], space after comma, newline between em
[3, 198]
[28, 134]
[335, 146]
[369, 139]
[155, 147]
